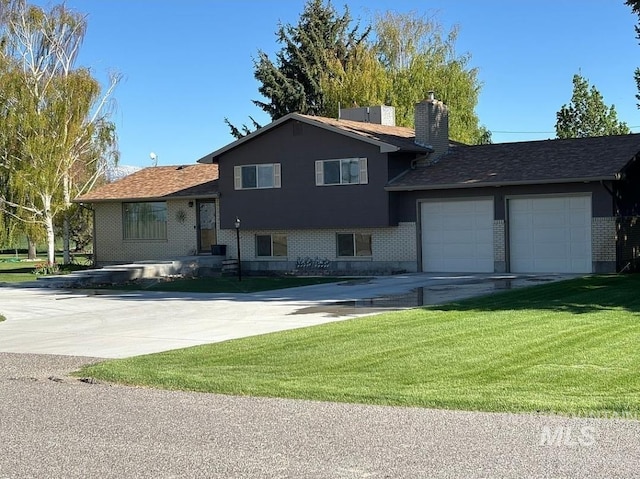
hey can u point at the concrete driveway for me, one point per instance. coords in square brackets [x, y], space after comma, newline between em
[107, 324]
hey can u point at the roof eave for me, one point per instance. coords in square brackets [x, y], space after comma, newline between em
[500, 183]
[146, 198]
[384, 147]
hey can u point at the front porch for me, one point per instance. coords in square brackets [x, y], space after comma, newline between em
[201, 265]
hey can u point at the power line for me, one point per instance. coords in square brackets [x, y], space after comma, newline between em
[521, 132]
[536, 132]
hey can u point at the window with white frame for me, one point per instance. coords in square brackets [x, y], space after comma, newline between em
[144, 220]
[353, 244]
[271, 245]
[251, 177]
[343, 171]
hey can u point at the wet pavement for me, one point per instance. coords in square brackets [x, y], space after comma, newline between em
[427, 295]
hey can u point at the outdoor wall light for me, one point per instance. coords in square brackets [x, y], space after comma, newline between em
[236, 223]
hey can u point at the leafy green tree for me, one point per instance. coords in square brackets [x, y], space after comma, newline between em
[325, 64]
[635, 8]
[360, 81]
[292, 82]
[420, 57]
[57, 137]
[587, 115]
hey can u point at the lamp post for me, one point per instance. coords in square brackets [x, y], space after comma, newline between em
[236, 223]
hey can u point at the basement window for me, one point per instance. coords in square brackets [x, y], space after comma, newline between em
[271, 245]
[353, 244]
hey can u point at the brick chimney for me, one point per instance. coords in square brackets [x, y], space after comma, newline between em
[432, 126]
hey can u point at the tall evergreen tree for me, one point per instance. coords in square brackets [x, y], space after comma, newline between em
[321, 37]
[635, 8]
[587, 115]
[292, 82]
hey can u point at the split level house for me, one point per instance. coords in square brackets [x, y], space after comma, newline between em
[359, 194]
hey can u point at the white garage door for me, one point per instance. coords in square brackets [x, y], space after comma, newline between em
[550, 235]
[457, 236]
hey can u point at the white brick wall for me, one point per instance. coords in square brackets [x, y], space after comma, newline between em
[499, 241]
[603, 239]
[111, 248]
[393, 244]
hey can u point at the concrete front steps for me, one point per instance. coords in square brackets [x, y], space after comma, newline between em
[205, 265]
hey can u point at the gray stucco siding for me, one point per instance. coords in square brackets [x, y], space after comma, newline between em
[299, 203]
[601, 200]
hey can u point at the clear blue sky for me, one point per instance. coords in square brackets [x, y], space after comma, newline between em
[188, 64]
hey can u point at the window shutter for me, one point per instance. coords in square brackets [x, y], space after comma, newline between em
[319, 173]
[364, 176]
[237, 177]
[276, 175]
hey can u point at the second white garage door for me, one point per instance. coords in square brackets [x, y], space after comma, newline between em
[457, 236]
[550, 234]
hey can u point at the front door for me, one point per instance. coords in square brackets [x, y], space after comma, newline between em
[206, 225]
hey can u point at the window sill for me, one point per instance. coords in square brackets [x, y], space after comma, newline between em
[354, 258]
[144, 240]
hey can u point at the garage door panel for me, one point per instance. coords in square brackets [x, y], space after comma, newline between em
[461, 223]
[547, 219]
[484, 237]
[579, 220]
[549, 204]
[540, 253]
[457, 236]
[550, 235]
[578, 203]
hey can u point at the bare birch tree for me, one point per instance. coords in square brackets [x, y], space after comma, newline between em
[59, 137]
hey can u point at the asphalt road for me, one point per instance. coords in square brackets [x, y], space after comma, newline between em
[54, 426]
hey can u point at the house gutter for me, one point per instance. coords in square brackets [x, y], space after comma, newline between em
[481, 184]
[150, 198]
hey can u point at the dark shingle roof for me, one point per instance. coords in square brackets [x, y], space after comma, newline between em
[547, 161]
[387, 138]
[160, 182]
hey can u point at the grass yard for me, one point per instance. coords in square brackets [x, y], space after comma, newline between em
[15, 268]
[568, 348]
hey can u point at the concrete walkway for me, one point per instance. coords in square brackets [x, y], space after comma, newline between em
[108, 324]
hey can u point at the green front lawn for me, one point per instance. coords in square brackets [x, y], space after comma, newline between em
[14, 270]
[568, 347]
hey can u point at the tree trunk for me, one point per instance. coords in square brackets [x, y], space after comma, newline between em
[66, 232]
[66, 257]
[48, 224]
[31, 249]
